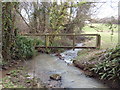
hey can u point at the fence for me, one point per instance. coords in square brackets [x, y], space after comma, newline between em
[98, 40]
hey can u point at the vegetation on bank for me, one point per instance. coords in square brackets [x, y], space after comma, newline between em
[20, 79]
[108, 66]
[105, 62]
[102, 64]
[23, 48]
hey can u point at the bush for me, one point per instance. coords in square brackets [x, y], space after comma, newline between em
[109, 68]
[24, 48]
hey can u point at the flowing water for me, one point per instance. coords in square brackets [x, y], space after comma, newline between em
[45, 65]
[69, 55]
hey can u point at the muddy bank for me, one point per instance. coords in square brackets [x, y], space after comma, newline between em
[9, 66]
[16, 76]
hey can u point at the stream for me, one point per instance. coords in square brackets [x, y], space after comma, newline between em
[45, 65]
[69, 55]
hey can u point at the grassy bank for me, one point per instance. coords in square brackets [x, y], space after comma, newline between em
[88, 58]
[107, 40]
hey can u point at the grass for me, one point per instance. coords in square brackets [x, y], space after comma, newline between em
[100, 27]
[107, 41]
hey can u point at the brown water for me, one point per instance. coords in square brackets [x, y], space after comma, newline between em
[45, 65]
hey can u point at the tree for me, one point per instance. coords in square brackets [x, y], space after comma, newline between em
[8, 29]
[58, 17]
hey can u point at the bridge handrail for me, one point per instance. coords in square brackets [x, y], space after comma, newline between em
[98, 39]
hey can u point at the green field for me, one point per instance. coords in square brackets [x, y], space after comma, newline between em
[107, 40]
[100, 27]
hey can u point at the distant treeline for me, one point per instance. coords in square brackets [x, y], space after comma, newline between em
[110, 20]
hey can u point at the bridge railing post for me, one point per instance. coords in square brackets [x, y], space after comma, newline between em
[73, 41]
[98, 41]
[46, 40]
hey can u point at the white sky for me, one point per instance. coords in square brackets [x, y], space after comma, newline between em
[108, 9]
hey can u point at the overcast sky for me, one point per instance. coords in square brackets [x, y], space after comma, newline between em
[107, 9]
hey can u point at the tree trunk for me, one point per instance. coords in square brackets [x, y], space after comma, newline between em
[8, 19]
[35, 17]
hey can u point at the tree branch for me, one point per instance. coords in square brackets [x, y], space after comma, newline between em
[23, 19]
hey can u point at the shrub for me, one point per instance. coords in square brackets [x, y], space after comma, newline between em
[109, 68]
[24, 48]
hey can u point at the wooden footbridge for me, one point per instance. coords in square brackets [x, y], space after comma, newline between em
[98, 40]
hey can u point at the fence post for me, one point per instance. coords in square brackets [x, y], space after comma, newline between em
[45, 40]
[98, 42]
[73, 41]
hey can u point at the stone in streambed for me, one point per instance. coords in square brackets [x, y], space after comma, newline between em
[61, 58]
[8, 74]
[50, 86]
[88, 73]
[5, 68]
[58, 54]
[10, 65]
[55, 77]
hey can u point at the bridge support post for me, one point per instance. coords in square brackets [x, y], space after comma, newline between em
[73, 41]
[46, 40]
[98, 42]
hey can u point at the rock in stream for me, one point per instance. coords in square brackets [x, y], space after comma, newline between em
[55, 77]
